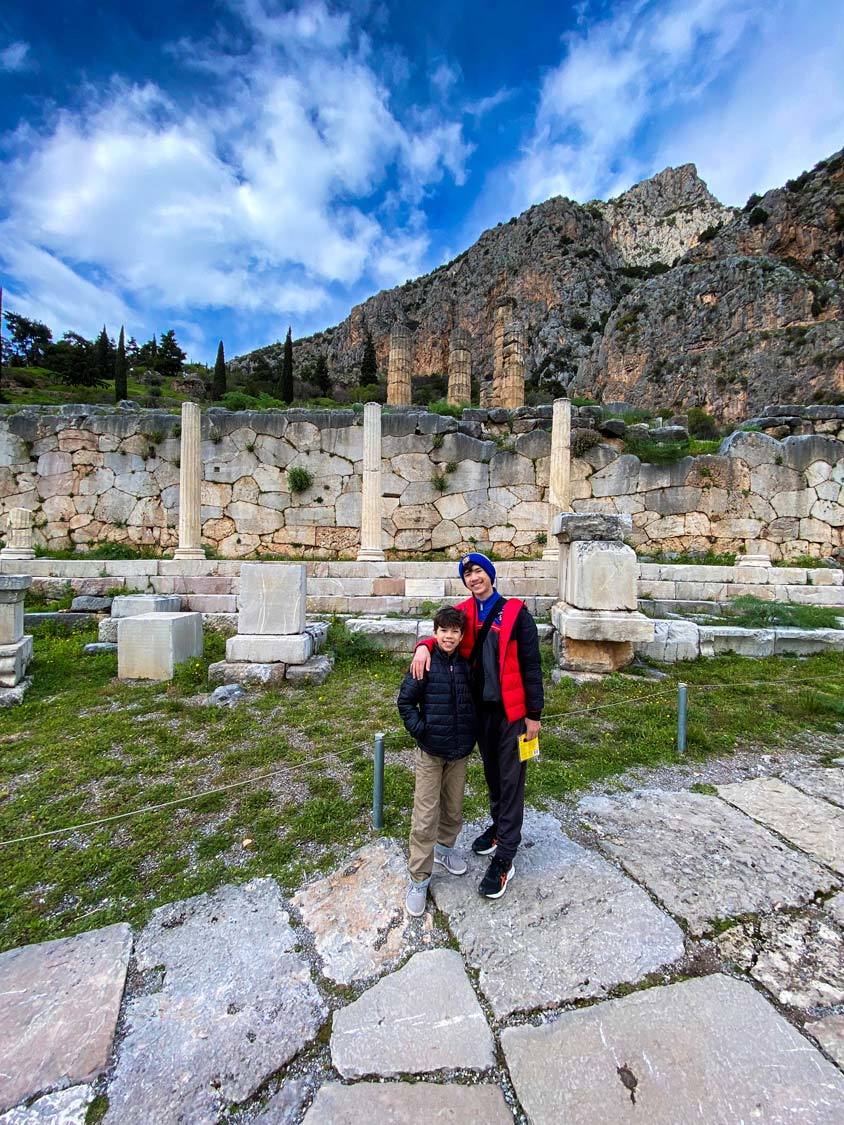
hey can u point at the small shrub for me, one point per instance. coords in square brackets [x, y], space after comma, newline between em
[156, 437]
[702, 424]
[542, 538]
[239, 400]
[758, 216]
[442, 406]
[451, 466]
[439, 481]
[752, 201]
[578, 322]
[583, 440]
[437, 441]
[708, 233]
[656, 452]
[299, 480]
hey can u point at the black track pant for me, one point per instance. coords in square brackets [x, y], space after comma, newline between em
[505, 775]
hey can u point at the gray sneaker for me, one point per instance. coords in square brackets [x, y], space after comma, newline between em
[416, 897]
[451, 860]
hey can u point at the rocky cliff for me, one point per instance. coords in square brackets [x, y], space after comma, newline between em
[662, 297]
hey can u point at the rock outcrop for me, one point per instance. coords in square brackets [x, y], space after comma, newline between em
[661, 296]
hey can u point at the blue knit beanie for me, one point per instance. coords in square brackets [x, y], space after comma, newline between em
[474, 558]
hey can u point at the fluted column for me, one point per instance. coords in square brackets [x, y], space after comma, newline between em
[190, 485]
[498, 355]
[513, 368]
[399, 367]
[460, 368]
[18, 535]
[559, 483]
[371, 548]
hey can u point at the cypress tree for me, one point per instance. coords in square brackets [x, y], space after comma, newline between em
[287, 369]
[120, 389]
[321, 376]
[219, 386]
[104, 361]
[368, 363]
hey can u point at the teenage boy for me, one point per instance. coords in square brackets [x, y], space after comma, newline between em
[501, 645]
[439, 712]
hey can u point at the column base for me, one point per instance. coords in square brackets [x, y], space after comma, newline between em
[370, 554]
[187, 553]
[19, 554]
[551, 553]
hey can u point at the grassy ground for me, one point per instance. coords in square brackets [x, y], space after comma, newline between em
[84, 746]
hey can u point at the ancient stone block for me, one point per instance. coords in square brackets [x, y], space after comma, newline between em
[151, 645]
[570, 527]
[272, 598]
[601, 576]
[673, 642]
[248, 675]
[263, 648]
[132, 605]
[314, 671]
[60, 1005]
[404, 1103]
[600, 625]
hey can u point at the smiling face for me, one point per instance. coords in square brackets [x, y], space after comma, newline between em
[477, 581]
[448, 638]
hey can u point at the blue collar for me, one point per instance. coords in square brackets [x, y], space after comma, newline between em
[485, 606]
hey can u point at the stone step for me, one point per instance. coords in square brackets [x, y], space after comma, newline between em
[210, 603]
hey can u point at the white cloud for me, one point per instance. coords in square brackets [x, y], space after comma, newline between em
[258, 202]
[15, 57]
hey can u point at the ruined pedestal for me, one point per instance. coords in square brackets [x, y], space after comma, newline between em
[15, 648]
[273, 642]
[152, 645]
[596, 618]
[18, 535]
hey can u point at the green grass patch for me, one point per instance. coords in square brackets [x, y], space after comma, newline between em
[754, 613]
[83, 746]
[656, 452]
[681, 558]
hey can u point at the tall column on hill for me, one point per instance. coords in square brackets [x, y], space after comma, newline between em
[513, 367]
[398, 367]
[460, 368]
[190, 485]
[559, 483]
[371, 548]
[498, 328]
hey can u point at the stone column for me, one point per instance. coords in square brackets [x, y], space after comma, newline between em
[513, 368]
[18, 535]
[559, 483]
[498, 354]
[399, 367]
[460, 368]
[371, 549]
[15, 646]
[190, 485]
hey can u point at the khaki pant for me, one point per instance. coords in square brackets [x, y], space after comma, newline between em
[437, 809]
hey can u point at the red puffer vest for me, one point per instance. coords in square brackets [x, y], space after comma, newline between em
[512, 688]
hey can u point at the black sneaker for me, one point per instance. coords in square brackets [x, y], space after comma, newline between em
[498, 875]
[486, 842]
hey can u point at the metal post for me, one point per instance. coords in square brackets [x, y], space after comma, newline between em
[378, 784]
[681, 718]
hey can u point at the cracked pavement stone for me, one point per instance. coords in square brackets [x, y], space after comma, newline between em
[570, 925]
[235, 1003]
[59, 1003]
[709, 1049]
[408, 1103]
[701, 858]
[356, 914]
[422, 1018]
[799, 959]
[829, 1032]
[819, 782]
[64, 1107]
[813, 826]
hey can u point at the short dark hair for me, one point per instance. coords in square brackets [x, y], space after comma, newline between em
[450, 618]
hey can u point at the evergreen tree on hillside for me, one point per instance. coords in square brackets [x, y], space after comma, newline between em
[104, 357]
[121, 391]
[369, 362]
[287, 369]
[28, 340]
[219, 387]
[148, 354]
[170, 355]
[321, 376]
[75, 361]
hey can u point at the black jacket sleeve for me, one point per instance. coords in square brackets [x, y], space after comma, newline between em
[530, 663]
[411, 694]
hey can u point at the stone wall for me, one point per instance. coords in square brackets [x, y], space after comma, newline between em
[94, 474]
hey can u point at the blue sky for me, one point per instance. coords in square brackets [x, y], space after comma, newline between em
[229, 168]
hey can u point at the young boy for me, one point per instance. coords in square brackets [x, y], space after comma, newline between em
[438, 711]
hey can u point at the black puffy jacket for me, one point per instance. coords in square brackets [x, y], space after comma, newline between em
[439, 711]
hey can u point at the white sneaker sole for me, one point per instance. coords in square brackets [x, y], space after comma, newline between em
[510, 875]
[450, 870]
[414, 913]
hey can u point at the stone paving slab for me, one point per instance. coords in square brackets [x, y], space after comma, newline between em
[835, 907]
[829, 1032]
[59, 1003]
[819, 782]
[356, 914]
[422, 1018]
[710, 1050]
[813, 826]
[700, 857]
[64, 1107]
[227, 1003]
[404, 1103]
[570, 925]
[285, 1106]
[799, 959]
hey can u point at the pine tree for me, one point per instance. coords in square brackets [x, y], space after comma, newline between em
[369, 362]
[170, 355]
[120, 388]
[287, 369]
[104, 357]
[219, 373]
[321, 376]
[148, 354]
